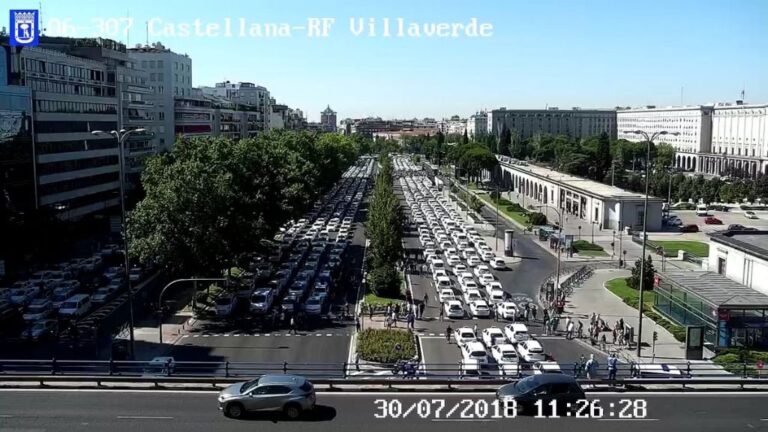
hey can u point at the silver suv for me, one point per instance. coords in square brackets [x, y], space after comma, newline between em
[290, 394]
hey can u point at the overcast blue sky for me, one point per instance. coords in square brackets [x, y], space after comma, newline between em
[588, 53]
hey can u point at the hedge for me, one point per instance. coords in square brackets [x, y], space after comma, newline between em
[379, 345]
[733, 359]
[751, 207]
[537, 219]
[583, 245]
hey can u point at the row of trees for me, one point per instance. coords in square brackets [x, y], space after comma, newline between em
[211, 202]
[384, 229]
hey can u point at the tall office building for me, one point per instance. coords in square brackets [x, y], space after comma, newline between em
[257, 99]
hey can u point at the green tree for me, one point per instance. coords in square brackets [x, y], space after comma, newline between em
[505, 142]
[665, 155]
[465, 139]
[648, 276]
[603, 157]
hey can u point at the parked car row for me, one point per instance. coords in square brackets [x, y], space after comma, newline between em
[459, 259]
[67, 291]
[304, 266]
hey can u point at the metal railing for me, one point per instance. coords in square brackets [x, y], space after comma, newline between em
[692, 372]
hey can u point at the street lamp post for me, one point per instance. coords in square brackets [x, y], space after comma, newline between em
[559, 238]
[593, 231]
[649, 141]
[579, 232]
[613, 244]
[122, 136]
[160, 297]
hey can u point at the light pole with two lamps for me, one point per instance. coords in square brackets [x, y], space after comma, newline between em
[559, 239]
[649, 141]
[122, 136]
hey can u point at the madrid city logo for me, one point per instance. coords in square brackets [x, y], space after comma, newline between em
[24, 27]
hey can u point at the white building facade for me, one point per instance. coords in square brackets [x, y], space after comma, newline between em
[692, 123]
[477, 124]
[739, 141]
[741, 256]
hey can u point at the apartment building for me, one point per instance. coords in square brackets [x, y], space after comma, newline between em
[169, 75]
[328, 119]
[257, 98]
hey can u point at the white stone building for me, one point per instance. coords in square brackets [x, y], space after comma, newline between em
[692, 123]
[575, 123]
[739, 141]
[477, 124]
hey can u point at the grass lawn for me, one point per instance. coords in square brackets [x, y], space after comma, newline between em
[373, 299]
[519, 217]
[595, 253]
[630, 296]
[619, 287]
[386, 346]
[671, 247]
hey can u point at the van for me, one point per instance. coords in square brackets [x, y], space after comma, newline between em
[75, 307]
[261, 300]
[701, 210]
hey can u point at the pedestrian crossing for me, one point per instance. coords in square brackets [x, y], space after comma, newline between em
[300, 334]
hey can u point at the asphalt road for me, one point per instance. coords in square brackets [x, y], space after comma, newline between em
[40, 410]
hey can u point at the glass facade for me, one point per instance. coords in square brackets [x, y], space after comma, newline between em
[726, 326]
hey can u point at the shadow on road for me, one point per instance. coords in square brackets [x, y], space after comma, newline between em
[321, 413]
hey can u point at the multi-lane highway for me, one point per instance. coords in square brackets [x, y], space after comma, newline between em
[59, 410]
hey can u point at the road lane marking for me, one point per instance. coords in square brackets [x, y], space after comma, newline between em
[5, 416]
[329, 334]
[205, 335]
[463, 420]
[146, 417]
[226, 334]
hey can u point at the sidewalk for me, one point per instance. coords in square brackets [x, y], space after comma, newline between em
[147, 335]
[593, 297]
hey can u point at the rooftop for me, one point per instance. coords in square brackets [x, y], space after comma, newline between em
[751, 242]
[586, 186]
[716, 289]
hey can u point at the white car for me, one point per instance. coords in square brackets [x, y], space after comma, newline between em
[468, 253]
[481, 270]
[531, 351]
[497, 263]
[446, 295]
[454, 309]
[439, 273]
[516, 332]
[38, 309]
[495, 285]
[473, 261]
[472, 295]
[314, 305]
[507, 359]
[486, 279]
[480, 308]
[459, 269]
[750, 215]
[506, 310]
[496, 296]
[541, 367]
[487, 256]
[453, 260]
[463, 335]
[474, 350]
[493, 336]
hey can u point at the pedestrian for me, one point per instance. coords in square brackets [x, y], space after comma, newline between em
[357, 323]
[389, 309]
[621, 324]
[546, 315]
[535, 309]
[580, 330]
[614, 335]
[591, 367]
[394, 319]
[421, 310]
[389, 322]
[602, 342]
[592, 319]
[397, 309]
[442, 313]
[582, 364]
[426, 300]
[612, 367]
[448, 332]
[567, 323]
[293, 326]
[575, 369]
[474, 329]
[599, 322]
[569, 331]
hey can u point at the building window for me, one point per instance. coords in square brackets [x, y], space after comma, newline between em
[144, 64]
[152, 64]
[160, 64]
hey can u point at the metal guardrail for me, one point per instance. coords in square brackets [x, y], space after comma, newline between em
[692, 373]
[372, 384]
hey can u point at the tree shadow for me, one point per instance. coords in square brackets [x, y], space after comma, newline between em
[320, 413]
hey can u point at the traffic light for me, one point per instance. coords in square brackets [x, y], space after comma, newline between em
[655, 336]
